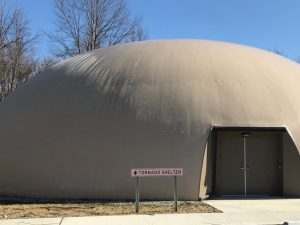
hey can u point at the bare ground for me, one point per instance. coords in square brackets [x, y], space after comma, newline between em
[32, 210]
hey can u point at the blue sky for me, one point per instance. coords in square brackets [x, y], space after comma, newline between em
[267, 24]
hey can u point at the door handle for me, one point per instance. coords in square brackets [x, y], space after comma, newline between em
[242, 168]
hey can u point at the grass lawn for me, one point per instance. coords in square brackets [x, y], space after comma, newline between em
[9, 210]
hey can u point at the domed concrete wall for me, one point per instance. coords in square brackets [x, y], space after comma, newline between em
[76, 130]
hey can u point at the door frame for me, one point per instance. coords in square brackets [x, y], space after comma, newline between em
[217, 129]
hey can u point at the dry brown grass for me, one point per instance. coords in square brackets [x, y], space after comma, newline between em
[32, 210]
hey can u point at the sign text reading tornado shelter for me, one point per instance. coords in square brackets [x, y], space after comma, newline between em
[152, 172]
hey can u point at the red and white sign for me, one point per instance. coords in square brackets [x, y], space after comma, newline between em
[153, 172]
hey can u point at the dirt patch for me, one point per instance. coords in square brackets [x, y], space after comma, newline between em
[32, 210]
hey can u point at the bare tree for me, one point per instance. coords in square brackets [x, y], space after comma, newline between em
[45, 64]
[138, 35]
[279, 52]
[83, 25]
[282, 53]
[16, 50]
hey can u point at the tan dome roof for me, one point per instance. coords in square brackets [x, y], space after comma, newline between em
[149, 97]
[192, 85]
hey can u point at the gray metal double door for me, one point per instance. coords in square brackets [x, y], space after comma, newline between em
[248, 163]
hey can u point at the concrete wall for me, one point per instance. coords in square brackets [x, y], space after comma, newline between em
[291, 168]
[206, 180]
[73, 148]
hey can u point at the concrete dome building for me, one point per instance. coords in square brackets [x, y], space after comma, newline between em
[76, 130]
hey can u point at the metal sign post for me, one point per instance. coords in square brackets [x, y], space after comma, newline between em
[137, 194]
[153, 172]
[175, 194]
